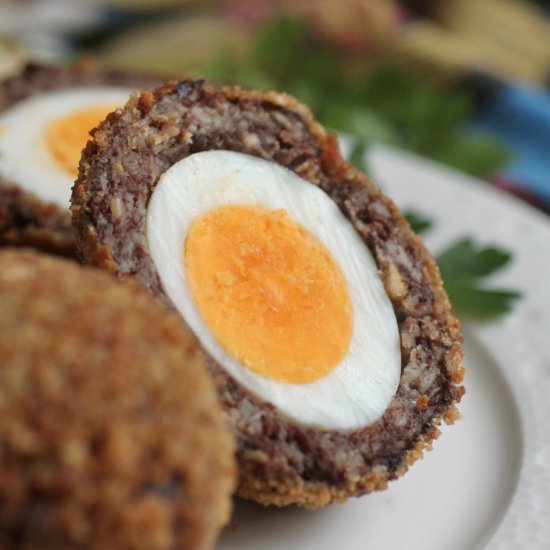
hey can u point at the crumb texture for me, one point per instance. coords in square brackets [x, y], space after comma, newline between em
[110, 431]
[27, 221]
[280, 462]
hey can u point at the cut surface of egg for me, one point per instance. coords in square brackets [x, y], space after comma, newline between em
[42, 137]
[278, 287]
[269, 292]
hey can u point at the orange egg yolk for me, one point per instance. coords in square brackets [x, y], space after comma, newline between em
[67, 136]
[270, 292]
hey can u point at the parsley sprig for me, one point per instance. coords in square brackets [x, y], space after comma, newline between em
[418, 222]
[464, 266]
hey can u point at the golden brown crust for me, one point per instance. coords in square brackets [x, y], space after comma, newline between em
[281, 462]
[25, 220]
[315, 494]
[111, 435]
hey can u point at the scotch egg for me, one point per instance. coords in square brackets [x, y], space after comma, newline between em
[278, 287]
[46, 115]
[322, 317]
[42, 137]
[111, 432]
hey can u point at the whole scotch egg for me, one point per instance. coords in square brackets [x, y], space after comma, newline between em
[322, 316]
[46, 114]
[111, 435]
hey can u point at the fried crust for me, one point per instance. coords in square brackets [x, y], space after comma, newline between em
[280, 462]
[111, 435]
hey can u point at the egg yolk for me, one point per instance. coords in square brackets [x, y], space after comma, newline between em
[67, 136]
[270, 292]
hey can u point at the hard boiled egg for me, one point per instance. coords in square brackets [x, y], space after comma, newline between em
[278, 287]
[42, 137]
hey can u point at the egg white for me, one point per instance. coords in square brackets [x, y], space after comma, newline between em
[25, 159]
[359, 389]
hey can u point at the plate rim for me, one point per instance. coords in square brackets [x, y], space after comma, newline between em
[523, 518]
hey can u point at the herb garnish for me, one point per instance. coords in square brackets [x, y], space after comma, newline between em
[419, 223]
[463, 267]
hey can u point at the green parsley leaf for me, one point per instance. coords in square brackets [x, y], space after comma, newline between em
[462, 267]
[474, 153]
[467, 261]
[418, 222]
[357, 156]
[477, 303]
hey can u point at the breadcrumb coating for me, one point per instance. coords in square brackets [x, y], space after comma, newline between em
[111, 435]
[281, 462]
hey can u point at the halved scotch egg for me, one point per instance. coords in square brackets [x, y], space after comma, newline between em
[46, 114]
[42, 137]
[322, 316]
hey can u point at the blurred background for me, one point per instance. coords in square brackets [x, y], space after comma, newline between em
[464, 82]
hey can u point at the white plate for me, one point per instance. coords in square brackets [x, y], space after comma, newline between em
[486, 484]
